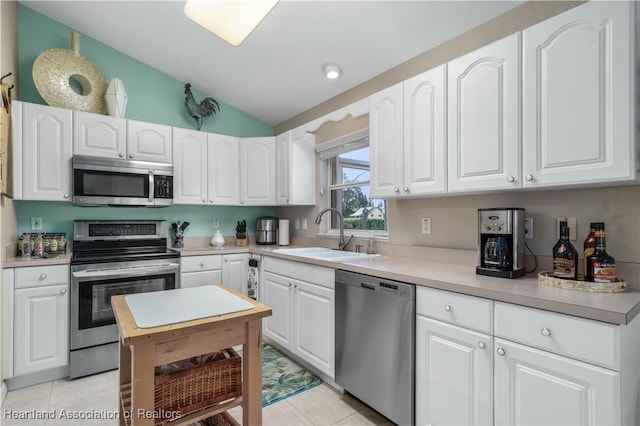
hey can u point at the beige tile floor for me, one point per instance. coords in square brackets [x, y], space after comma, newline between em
[96, 395]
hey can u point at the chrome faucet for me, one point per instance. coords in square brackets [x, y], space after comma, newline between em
[342, 244]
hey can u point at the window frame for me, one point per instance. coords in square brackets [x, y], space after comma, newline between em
[334, 148]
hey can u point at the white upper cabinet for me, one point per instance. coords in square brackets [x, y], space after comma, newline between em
[99, 135]
[578, 123]
[295, 169]
[42, 138]
[149, 142]
[424, 133]
[257, 171]
[223, 183]
[484, 118]
[190, 166]
[386, 141]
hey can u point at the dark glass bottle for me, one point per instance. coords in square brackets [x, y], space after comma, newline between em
[589, 247]
[602, 267]
[565, 256]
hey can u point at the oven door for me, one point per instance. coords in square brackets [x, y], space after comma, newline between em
[92, 319]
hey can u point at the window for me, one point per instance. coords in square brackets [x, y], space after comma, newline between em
[345, 165]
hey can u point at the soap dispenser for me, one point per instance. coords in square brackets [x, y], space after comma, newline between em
[217, 240]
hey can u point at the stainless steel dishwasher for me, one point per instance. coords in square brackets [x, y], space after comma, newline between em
[375, 334]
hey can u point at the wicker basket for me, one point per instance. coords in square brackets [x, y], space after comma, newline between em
[201, 386]
[547, 278]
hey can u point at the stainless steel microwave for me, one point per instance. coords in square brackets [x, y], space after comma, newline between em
[101, 181]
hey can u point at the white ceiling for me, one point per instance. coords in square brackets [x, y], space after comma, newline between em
[276, 73]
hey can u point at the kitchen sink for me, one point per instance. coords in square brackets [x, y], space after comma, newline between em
[324, 253]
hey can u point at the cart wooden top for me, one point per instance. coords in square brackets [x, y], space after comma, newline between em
[130, 334]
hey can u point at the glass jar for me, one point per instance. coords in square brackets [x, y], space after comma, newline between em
[53, 246]
[62, 243]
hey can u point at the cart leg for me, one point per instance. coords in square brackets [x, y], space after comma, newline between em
[252, 377]
[142, 384]
[125, 377]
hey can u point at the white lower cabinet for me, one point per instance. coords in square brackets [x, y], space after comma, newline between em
[39, 335]
[235, 269]
[200, 270]
[302, 298]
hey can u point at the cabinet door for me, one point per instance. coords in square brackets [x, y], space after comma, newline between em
[47, 151]
[235, 269]
[454, 374]
[99, 135]
[314, 325]
[484, 118]
[189, 167]
[537, 387]
[223, 173]
[283, 168]
[197, 279]
[424, 133]
[386, 141]
[276, 291]
[578, 97]
[302, 169]
[149, 142]
[41, 328]
[257, 171]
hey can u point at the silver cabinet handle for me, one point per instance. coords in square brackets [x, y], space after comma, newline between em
[501, 351]
[511, 179]
[289, 284]
[447, 308]
[204, 201]
[66, 196]
[406, 189]
[130, 155]
[210, 201]
[545, 332]
[43, 276]
[63, 291]
[396, 189]
[481, 345]
[295, 286]
[120, 155]
[226, 260]
[201, 263]
[529, 178]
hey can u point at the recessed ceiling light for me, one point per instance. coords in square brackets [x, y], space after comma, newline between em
[232, 21]
[331, 71]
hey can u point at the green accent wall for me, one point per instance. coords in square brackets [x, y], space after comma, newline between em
[152, 96]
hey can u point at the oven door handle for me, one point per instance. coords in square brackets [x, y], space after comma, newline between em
[124, 272]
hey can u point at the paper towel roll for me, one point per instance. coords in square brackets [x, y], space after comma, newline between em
[283, 232]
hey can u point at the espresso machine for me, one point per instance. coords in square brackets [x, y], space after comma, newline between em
[501, 242]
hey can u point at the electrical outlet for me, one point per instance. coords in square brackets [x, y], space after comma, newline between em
[528, 228]
[571, 223]
[426, 225]
[216, 222]
[36, 224]
[304, 223]
[297, 221]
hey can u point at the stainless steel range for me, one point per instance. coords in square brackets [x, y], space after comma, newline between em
[111, 258]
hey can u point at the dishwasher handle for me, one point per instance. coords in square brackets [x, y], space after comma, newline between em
[368, 286]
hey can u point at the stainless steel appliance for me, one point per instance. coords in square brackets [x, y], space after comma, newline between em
[375, 334]
[501, 242]
[105, 181]
[111, 258]
[266, 230]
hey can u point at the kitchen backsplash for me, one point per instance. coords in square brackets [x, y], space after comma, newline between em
[59, 216]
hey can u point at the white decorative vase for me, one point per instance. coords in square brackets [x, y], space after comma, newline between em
[116, 98]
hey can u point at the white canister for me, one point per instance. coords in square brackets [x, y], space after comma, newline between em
[283, 232]
[217, 240]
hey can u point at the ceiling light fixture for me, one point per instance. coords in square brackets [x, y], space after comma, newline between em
[232, 21]
[331, 71]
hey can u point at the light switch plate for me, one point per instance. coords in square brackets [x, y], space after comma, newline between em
[36, 224]
[528, 228]
[426, 225]
[216, 222]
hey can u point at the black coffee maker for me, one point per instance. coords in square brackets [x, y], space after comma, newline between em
[501, 242]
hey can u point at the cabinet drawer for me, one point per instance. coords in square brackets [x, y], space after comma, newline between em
[278, 266]
[466, 311]
[197, 279]
[200, 263]
[578, 338]
[38, 276]
[315, 274]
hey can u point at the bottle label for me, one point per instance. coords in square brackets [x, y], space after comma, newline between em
[587, 253]
[564, 268]
[604, 272]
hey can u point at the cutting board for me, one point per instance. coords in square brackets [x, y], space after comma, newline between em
[160, 308]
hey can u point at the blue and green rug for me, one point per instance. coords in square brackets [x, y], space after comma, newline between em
[282, 378]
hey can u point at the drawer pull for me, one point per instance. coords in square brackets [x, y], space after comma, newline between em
[545, 332]
[447, 308]
[201, 263]
[63, 291]
[481, 345]
[501, 352]
[43, 276]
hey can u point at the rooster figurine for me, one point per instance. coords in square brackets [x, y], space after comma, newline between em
[199, 111]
